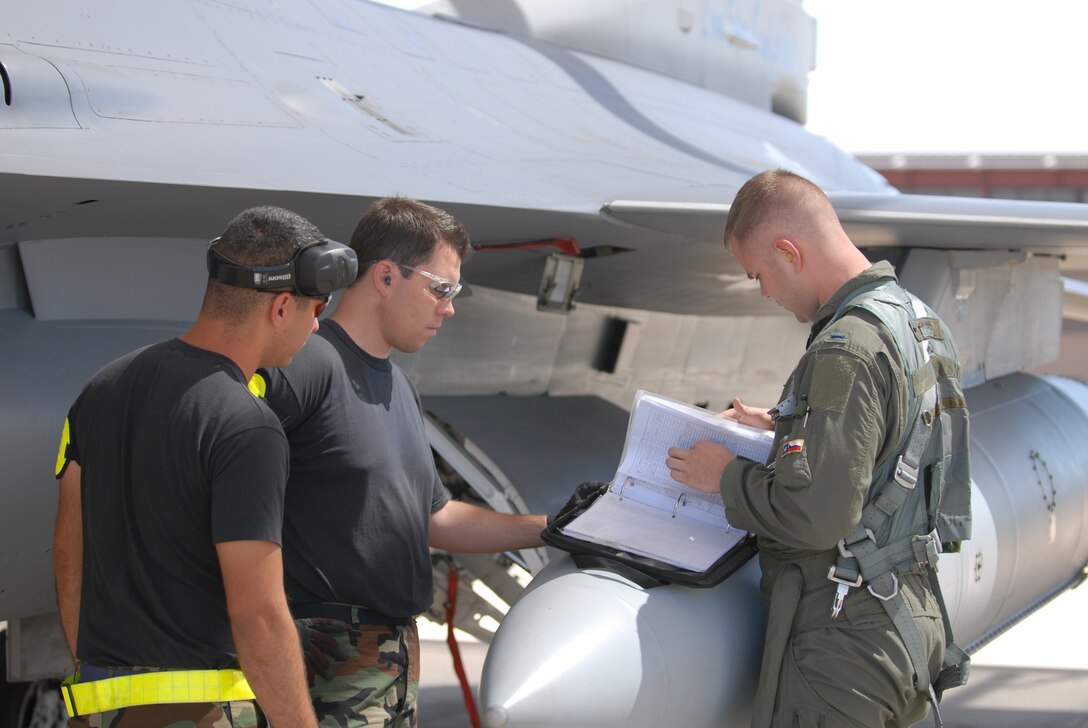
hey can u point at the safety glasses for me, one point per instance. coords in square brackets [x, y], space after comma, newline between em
[442, 289]
[323, 300]
[322, 303]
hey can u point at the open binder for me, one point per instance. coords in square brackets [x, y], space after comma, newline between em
[646, 525]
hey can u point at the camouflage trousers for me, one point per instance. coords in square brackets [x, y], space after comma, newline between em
[236, 714]
[378, 683]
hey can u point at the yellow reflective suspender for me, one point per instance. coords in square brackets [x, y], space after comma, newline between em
[62, 453]
[258, 385]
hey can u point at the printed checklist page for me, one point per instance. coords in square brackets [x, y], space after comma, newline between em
[646, 511]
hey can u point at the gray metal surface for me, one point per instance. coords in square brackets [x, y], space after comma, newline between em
[716, 44]
[43, 367]
[545, 445]
[589, 648]
[188, 113]
[1026, 456]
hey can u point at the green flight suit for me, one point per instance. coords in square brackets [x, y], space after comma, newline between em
[852, 403]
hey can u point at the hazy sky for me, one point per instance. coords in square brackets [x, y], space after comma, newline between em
[950, 75]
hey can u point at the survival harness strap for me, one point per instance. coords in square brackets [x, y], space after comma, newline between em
[862, 561]
[154, 688]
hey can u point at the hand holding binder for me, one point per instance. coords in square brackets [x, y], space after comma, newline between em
[648, 513]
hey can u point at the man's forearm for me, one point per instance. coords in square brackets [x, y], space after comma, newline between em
[68, 582]
[264, 631]
[68, 555]
[462, 527]
[268, 649]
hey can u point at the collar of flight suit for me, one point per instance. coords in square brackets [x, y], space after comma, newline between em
[881, 270]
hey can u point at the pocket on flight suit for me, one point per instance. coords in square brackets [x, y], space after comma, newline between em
[827, 384]
[805, 718]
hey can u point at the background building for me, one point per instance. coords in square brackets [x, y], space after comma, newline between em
[1053, 177]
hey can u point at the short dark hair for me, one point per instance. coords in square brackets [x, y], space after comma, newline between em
[763, 196]
[264, 235]
[406, 231]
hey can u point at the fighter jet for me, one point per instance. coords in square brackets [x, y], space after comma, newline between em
[591, 149]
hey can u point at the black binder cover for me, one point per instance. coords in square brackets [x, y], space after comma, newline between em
[644, 571]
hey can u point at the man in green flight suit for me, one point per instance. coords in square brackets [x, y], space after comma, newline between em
[848, 543]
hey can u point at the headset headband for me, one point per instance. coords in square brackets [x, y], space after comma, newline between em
[314, 270]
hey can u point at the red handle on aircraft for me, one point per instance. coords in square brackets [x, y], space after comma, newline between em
[567, 246]
[452, 577]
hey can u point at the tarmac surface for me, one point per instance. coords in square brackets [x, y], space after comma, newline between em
[1033, 676]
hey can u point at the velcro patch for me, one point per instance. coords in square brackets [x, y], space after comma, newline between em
[832, 379]
[927, 328]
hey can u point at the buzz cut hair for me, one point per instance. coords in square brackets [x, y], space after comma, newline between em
[265, 235]
[769, 196]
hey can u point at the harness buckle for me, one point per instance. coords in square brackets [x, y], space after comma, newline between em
[895, 589]
[839, 580]
[927, 549]
[905, 475]
[840, 596]
[847, 553]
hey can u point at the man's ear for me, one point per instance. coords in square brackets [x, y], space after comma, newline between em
[381, 275]
[278, 312]
[785, 248]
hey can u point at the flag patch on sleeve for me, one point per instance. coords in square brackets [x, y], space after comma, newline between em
[793, 446]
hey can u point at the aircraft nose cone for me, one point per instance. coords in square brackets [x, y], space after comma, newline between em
[600, 665]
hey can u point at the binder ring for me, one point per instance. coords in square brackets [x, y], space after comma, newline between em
[680, 500]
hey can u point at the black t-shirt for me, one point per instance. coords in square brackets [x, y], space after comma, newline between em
[363, 482]
[176, 455]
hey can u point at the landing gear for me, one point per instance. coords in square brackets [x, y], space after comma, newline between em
[29, 704]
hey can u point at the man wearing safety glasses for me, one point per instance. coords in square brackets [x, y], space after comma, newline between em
[167, 550]
[364, 499]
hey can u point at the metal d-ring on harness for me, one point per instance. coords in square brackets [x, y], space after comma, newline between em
[862, 560]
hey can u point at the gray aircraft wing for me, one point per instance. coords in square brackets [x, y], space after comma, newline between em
[897, 220]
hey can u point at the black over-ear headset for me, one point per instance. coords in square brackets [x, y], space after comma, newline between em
[315, 270]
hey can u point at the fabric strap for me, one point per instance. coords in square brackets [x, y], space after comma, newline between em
[154, 688]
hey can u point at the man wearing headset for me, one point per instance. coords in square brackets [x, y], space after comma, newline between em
[172, 476]
[364, 499]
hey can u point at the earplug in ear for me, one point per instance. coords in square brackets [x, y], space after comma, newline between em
[388, 280]
[789, 256]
